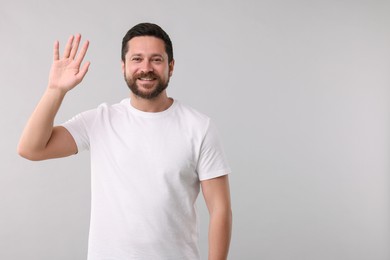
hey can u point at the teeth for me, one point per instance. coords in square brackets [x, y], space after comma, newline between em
[149, 79]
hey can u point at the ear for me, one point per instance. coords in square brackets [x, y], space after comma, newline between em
[123, 66]
[171, 66]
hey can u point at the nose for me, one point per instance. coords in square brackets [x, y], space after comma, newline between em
[146, 66]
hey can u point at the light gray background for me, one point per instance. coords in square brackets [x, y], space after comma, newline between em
[298, 89]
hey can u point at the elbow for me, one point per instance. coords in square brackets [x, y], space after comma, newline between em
[229, 215]
[225, 212]
[27, 153]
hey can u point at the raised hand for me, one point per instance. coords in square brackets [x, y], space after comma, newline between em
[66, 71]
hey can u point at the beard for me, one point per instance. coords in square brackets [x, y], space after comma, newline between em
[152, 92]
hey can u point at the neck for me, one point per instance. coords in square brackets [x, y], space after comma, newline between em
[158, 104]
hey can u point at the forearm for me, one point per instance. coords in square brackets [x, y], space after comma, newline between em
[39, 127]
[219, 234]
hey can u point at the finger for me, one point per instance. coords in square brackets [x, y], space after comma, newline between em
[68, 47]
[56, 52]
[83, 71]
[82, 53]
[75, 46]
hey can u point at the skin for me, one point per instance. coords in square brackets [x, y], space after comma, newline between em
[42, 140]
[147, 54]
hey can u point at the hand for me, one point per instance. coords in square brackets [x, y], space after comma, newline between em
[65, 72]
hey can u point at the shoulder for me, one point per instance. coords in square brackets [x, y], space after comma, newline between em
[194, 121]
[104, 110]
[110, 109]
[113, 107]
[191, 113]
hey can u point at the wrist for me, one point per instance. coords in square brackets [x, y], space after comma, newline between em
[55, 92]
[55, 89]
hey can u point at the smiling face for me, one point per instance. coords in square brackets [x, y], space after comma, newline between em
[146, 68]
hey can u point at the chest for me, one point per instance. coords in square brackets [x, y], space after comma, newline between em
[142, 147]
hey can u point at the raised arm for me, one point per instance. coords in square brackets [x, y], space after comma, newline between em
[40, 139]
[216, 193]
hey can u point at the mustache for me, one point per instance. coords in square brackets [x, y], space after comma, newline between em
[149, 74]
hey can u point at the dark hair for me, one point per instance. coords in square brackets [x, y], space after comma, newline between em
[147, 29]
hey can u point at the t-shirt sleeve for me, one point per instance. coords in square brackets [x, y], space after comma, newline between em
[79, 127]
[212, 161]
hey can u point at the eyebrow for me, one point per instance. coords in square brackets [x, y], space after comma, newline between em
[152, 55]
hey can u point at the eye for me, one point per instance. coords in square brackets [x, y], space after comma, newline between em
[157, 59]
[136, 59]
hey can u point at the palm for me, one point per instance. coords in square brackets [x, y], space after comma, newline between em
[65, 72]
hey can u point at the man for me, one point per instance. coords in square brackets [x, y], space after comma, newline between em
[150, 155]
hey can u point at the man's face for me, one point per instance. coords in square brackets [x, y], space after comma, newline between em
[146, 69]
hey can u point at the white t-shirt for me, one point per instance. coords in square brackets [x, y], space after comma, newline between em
[146, 171]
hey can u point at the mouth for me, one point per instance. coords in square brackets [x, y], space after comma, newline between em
[147, 79]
